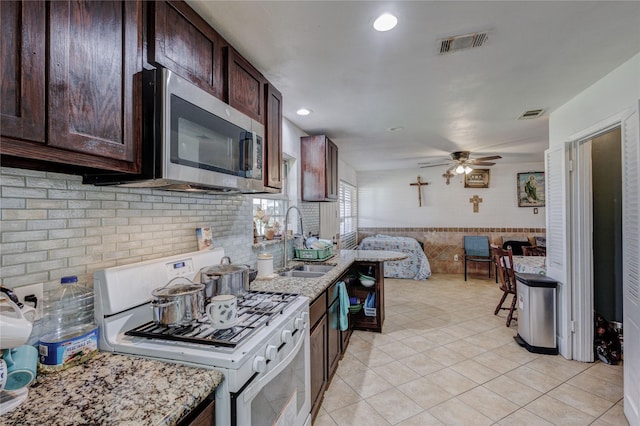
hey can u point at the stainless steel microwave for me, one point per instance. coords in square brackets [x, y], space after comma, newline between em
[193, 141]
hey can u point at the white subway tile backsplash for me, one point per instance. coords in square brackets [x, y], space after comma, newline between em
[13, 225]
[22, 192]
[20, 258]
[13, 237]
[13, 203]
[19, 247]
[46, 204]
[46, 265]
[47, 245]
[65, 194]
[53, 225]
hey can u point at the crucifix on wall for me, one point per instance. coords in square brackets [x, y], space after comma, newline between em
[419, 184]
[476, 201]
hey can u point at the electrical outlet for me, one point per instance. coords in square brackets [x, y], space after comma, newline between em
[36, 290]
[456, 258]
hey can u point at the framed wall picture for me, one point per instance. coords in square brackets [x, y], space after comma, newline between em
[477, 178]
[531, 189]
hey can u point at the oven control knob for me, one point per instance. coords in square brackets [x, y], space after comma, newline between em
[271, 352]
[298, 323]
[259, 364]
[287, 335]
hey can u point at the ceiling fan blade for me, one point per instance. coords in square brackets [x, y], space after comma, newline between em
[482, 163]
[452, 168]
[433, 165]
[493, 157]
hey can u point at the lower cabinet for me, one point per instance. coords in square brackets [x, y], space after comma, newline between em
[203, 415]
[334, 338]
[370, 318]
[318, 362]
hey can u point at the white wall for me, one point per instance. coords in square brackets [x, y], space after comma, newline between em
[385, 199]
[613, 94]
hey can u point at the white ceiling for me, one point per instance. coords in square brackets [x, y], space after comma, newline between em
[325, 56]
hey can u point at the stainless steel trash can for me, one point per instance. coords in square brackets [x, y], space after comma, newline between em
[536, 313]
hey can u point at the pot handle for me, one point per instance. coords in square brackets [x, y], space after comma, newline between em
[228, 262]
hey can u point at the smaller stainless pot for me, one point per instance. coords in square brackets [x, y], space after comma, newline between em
[178, 304]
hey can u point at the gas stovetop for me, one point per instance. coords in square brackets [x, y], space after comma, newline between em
[255, 310]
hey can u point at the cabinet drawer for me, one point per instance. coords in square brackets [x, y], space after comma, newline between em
[318, 309]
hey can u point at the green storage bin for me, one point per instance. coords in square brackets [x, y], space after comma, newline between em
[312, 254]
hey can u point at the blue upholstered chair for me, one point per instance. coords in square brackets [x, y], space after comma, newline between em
[476, 249]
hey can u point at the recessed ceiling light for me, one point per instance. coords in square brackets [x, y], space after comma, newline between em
[385, 22]
[303, 111]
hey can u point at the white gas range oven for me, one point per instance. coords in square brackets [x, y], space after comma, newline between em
[264, 358]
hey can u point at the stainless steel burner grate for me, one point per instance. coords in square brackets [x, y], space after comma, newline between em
[255, 309]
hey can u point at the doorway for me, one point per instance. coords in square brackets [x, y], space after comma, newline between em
[606, 163]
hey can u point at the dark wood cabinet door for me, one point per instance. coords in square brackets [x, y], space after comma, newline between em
[95, 60]
[22, 74]
[334, 338]
[319, 157]
[245, 86]
[318, 359]
[180, 40]
[273, 132]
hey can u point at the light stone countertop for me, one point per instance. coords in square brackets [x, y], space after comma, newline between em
[313, 287]
[110, 389]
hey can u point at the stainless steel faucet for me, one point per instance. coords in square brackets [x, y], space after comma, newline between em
[286, 229]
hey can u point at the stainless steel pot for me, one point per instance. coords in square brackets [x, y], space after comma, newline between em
[226, 278]
[178, 303]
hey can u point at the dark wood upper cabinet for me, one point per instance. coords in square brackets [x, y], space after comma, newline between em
[180, 40]
[319, 157]
[96, 51]
[273, 132]
[22, 74]
[92, 94]
[244, 86]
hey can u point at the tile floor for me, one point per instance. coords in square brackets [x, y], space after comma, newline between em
[443, 358]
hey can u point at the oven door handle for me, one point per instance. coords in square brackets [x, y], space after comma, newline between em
[253, 390]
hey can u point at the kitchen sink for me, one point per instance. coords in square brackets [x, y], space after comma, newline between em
[301, 274]
[314, 268]
[307, 271]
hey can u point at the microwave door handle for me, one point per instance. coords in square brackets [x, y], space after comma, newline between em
[247, 151]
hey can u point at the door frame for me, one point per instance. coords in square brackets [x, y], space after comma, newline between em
[581, 222]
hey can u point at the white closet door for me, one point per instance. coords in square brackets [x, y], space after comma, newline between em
[557, 177]
[631, 264]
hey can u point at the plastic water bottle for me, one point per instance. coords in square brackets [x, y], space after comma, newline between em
[71, 335]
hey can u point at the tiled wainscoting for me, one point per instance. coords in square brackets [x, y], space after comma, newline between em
[442, 244]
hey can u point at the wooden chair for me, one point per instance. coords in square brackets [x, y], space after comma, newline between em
[534, 251]
[504, 260]
[476, 249]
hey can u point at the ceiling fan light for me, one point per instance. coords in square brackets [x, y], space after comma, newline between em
[460, 169]
[467, 170]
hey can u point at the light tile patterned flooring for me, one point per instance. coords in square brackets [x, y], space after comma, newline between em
[444, 358]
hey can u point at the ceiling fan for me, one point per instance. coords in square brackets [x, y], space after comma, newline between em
[461, 163]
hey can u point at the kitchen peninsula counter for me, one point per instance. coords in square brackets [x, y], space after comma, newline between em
[112, 389]
[313, 287]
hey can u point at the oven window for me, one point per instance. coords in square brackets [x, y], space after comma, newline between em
[281, 400]
[202, 140]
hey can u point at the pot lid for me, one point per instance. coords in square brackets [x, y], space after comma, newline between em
[172, 290]
[225, 269]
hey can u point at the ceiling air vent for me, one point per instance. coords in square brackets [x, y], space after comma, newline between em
[467, 41]
[532, 113]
